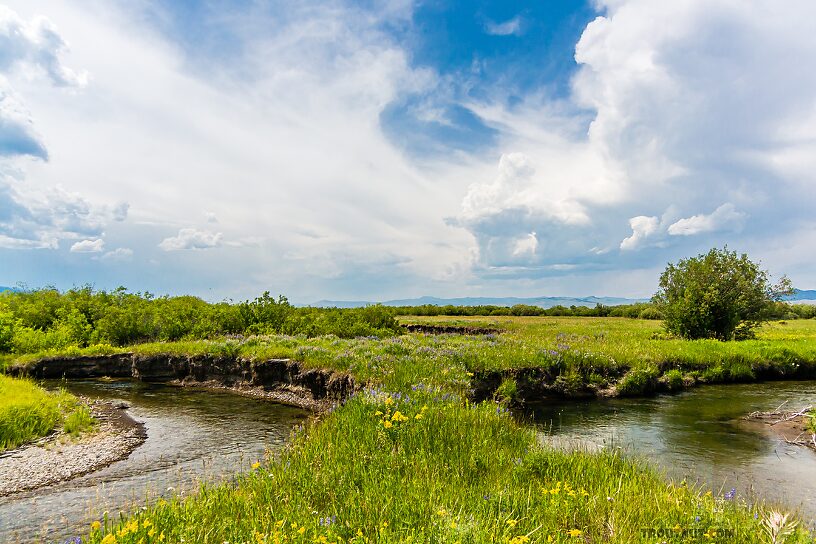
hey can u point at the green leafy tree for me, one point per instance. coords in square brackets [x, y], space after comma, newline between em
[718, 295]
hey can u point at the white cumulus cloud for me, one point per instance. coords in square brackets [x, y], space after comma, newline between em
[191, 239]
[88, 246]
[726, 217]
[643, 228]
[120, 254]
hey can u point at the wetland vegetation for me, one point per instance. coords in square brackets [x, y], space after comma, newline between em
[28, 412]
[411, 457]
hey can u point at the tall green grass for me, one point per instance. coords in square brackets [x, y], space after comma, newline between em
[396, 468]
[28, 412]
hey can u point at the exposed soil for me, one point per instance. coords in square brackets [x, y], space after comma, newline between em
[58, 457]
[281, 380]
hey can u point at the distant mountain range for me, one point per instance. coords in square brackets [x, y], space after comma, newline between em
[2, 288]
[800, 295]
[542, 302]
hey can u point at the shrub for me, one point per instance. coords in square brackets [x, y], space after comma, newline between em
[716, 295]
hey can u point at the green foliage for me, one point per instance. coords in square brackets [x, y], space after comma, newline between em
[526, 310]
[28, 412]
[674, 379]
[718, 295]
[46, 320]
[507, 391]
[78, 420]
[638, 381]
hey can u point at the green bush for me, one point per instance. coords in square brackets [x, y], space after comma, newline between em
[716, 295]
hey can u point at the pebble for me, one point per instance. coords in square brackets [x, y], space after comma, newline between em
[59, 458]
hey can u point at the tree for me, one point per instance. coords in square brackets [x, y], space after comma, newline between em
[716, 295]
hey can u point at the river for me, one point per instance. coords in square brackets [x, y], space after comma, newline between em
[698, 435]
[193, 436]
[197, 436]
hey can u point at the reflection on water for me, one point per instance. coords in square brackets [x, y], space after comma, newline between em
[698, 435]
[193, 436]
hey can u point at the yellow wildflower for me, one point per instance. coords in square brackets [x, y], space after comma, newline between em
[109, 539]
[387, 424]
[512, 522]
[146, 523]
[398, 417]
[151, 532]
[302, 530]
[389, 401]
[418, 416]
[378, 413]
[95, 525]
[575, 532]
[442, 512]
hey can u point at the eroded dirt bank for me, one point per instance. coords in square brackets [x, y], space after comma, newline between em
[281, 380]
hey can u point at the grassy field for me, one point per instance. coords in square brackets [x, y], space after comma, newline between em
[607, 355]
[28, 412]
[410, 459]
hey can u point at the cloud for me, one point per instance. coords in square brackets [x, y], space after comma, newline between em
[35, 44]
[88, 246]
[511, 27]
[643, 228]
[284, 135]
[32, 219]
[120, 254]
[120, 211]
[526, 245]
[191, 239]
[726, 217]
[517, 187]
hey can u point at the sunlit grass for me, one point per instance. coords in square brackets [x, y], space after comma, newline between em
[28, 412]
[386, 468]
[412, 460]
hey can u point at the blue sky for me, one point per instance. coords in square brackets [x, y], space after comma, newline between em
[389, 149]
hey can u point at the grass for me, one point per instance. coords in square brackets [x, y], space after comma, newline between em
[398, 468]
[28, 412]
[411, 460]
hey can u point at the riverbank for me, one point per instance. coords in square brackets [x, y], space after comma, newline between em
[412, 457]
[61, 457]
[794, 427]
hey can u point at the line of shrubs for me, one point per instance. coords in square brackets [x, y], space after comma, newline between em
[45, 319]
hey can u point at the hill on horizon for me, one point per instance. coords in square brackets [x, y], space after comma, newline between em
[542, 302]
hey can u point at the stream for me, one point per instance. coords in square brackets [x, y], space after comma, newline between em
[197, 436]
[697, 435]
[193, 436]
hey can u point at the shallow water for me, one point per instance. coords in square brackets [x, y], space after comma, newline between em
[698, 435]
[193, 436]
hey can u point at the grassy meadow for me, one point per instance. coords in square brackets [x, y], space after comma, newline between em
[411, 459]
[28, 412]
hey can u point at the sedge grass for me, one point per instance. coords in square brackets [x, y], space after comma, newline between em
[28, 412]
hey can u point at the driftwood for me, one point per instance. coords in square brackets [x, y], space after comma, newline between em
[784, 416]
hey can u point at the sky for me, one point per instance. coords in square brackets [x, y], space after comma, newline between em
[381, 149]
